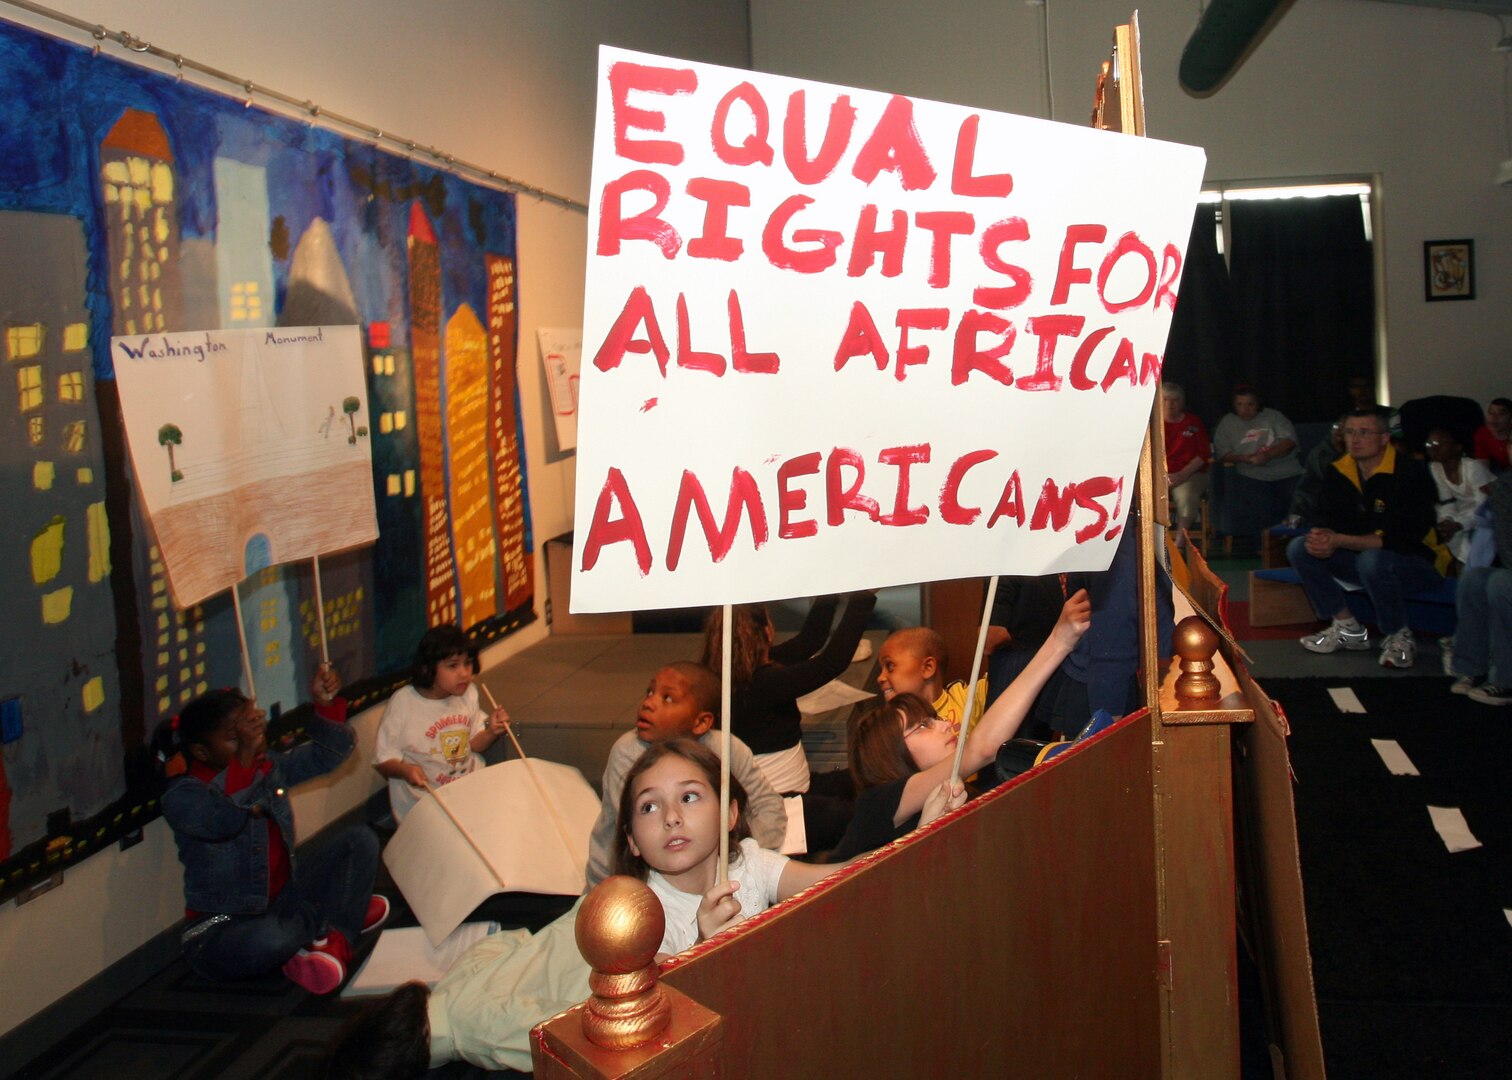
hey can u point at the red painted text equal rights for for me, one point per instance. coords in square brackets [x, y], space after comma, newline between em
[796, 236]
[816, 491]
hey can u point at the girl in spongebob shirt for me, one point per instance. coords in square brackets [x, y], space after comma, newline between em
[433, 731]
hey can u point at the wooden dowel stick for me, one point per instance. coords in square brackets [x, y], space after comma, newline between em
[722, 870]
[976, 666]
[551, 809]
[492, 869]
[241, 635]
[325, 652]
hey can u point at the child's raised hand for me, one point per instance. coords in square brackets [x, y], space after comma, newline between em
[718, 909]
[1075, 617]
[498, 721]
[251, 727]
[325, 684]
[941, 800]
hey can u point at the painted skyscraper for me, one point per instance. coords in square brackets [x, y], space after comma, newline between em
[59, 694]
[425, 353]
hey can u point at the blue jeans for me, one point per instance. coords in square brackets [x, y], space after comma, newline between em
[1483, 637]
[1389, 577]
[330, 892]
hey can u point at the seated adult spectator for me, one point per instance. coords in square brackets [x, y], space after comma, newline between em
[1304, 501]
[1374, 528]
[1483, 638]
[1462, 484]
[1187, 453]
[1258, 447]
[1494, 437]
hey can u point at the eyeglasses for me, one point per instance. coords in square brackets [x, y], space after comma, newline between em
[923, 725]
[1360, 433]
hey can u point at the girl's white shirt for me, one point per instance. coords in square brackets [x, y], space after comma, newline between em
[758, 871]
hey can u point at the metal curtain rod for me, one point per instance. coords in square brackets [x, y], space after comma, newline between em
[132, 43]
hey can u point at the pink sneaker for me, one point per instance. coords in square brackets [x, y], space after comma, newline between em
[316, 967]
[377, 913]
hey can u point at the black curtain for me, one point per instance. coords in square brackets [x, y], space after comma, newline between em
[1199, 352]
[1303, 301]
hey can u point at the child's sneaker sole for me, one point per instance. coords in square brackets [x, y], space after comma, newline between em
[317, 972]
[377, 913]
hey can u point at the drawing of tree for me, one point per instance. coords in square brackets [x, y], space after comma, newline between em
[350, 407]
[170, 436]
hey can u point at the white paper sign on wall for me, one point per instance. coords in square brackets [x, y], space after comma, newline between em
[839, 339]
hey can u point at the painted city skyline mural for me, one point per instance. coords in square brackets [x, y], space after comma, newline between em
[132, 204]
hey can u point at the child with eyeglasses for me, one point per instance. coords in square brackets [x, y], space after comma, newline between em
[901, 752]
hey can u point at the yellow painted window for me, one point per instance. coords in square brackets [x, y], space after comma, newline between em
[385, 423]
[29, 387]
[24, 342]
[76, 337]
[114, 171]
[71, 386]
[400, 420]
[164, 704]
[73, 436]
[393, 483]
[162, 183]
[42, 475]
[94, 694]
[99, 541]
[388, 364]
[377, 363]
[35, 429]
[409, 482]
[47, 551]
[57, 605]
[84, 476]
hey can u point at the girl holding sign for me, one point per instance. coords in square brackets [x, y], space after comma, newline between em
[766, 681]
[901, 753]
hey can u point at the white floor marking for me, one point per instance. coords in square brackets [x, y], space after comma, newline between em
[1394, 757]
[1345, 699]
[1452, 828]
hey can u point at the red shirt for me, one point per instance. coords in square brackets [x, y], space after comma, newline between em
[240, 776]
[1489, 448]
[1185, 440]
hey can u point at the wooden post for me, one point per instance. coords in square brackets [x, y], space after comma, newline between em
[1190, 763]
[632, 1026]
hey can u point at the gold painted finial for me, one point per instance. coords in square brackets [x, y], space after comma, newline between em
[619, 928]
[1195, 642]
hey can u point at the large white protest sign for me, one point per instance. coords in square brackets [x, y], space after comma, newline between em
[841, 339]
[250, 448]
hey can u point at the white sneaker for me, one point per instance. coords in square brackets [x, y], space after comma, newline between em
[1334, 637]
[1399, 650]
[1464, 684]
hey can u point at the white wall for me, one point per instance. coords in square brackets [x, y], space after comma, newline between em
[507, 84]
[1412, 95]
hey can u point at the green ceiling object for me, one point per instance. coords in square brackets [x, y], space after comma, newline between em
[1227, 32]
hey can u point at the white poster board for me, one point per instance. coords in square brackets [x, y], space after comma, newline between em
[839, 339]
[440, 871]
[561, 360]
[250, 448]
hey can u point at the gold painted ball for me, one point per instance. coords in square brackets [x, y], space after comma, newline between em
[620, 926]
[1194, 639]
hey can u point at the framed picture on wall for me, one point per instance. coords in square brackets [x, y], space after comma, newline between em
[1449, 269]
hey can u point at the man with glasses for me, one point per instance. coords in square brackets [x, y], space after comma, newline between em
[1374, 527]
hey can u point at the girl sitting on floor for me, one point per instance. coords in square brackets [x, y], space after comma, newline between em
[482, 1010]
[901, 753]
[249, 908]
